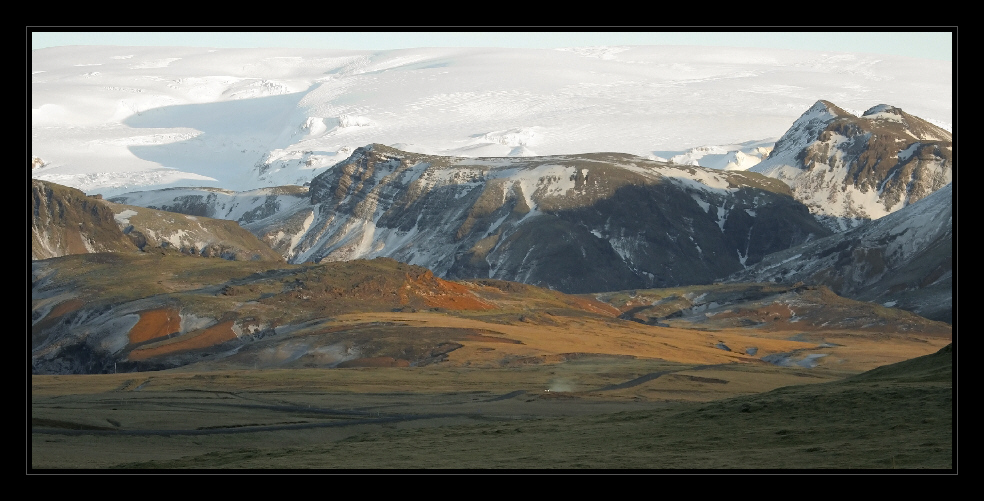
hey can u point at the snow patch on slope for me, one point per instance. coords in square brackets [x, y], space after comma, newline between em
[123, 218]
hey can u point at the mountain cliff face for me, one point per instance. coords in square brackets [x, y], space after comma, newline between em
[850, 169]
[65, 221]
[904, 260]
[576, 223]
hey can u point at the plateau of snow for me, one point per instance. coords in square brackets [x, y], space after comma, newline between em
[111, 120]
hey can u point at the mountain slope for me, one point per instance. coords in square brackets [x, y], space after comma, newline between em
[850, 169]
[903, 260]
[766, 307]
[576, 223]
[65, 221]
[105, 312]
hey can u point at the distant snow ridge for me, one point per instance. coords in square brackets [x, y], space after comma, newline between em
[726, 157]
[522, 151]
[354, 121]
[251, 88]
[119, 182]
[296, 166]
[248, 103]
[314, 126]
[600, 52]
[520, 136]
[156, 63]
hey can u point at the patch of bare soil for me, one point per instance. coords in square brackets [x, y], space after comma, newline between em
[203, 338]
[155, 324]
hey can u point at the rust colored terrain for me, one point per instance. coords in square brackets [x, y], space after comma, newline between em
[383, 313]
[204, 338]
[155, 324]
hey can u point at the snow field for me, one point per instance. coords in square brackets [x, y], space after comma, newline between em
[460, 102]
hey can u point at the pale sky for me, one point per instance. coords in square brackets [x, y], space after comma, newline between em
[935, 43]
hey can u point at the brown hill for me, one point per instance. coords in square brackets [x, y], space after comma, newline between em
[66, 221]
[103, 312]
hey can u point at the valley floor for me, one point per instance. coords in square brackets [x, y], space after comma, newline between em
[602, 412]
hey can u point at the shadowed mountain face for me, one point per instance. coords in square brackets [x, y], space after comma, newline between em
[576, 223]
[850, 169]
[65, 221]
[903, 260]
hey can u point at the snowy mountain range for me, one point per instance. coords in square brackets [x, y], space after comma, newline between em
[492, 163]
[222, 206]
[576, 223]
[110, 120]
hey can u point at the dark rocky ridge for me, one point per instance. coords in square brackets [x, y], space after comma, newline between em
[576, 223]
[589, 222]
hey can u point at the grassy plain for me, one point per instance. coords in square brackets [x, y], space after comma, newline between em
[602, 413]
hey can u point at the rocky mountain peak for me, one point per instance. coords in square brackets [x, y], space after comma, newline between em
[851, 169]
[882, 108]
[807, 128]
[888, 119]
[828, 107]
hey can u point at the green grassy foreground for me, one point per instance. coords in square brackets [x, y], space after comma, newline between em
[898, 416]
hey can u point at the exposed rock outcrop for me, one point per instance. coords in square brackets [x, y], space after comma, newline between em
[850, 169]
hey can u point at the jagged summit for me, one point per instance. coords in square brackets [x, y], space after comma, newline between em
[807, 128]
[822, 105]
[851, 169]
